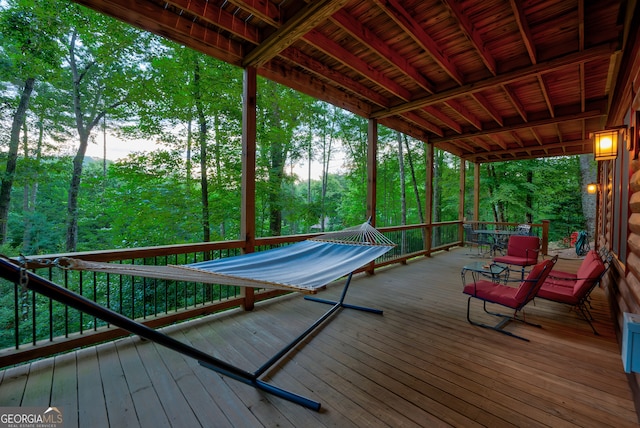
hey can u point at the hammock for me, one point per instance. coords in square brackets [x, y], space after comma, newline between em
[305, 266]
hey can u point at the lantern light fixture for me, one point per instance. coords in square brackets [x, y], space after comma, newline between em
[605, 144]
[592, 188]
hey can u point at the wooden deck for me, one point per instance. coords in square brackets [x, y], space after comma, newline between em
[419, 364]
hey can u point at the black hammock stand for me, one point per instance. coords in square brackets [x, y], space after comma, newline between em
[17, 273]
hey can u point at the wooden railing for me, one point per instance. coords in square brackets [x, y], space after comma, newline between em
[34, 326]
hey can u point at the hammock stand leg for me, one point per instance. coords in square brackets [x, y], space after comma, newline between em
[12, 272]
[340, 303]
[313, 327]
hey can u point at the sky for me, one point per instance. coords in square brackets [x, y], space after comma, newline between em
[117, 148]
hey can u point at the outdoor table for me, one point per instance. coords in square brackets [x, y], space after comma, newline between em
[496, 271]
[499, 237]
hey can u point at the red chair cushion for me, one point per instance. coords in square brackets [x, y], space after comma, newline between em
[521, 251]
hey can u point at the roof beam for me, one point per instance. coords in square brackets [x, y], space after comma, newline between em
[292, 30]
[524, 125]
[486, 105]
[443, 118]
[404, 19]
[348, 59]
[379, 46]
[469, 30]
[338, 79]
[163, 22]
[516, 102]
[604, 50]
[464, 113]
[263, 9]
[521, 21]
[218, 17]
[580, 147]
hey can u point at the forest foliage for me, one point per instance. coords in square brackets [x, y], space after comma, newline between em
[71, 79]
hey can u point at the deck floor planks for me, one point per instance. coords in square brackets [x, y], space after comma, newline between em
[92, 409]
[176, 407]
[420, 364]
[218, 391]
[64, 391]
[13, 385]
[119, 406]
[149, 410]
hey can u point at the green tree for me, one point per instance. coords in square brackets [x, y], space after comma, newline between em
[105, 71]
[29, 52]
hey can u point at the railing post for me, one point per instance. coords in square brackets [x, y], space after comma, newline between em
[545, 237]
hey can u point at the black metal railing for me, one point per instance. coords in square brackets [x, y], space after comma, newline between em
[32, 325]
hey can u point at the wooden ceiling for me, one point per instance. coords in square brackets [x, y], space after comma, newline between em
[487, 80]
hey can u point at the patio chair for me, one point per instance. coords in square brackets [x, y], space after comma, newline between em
[477, 239]
[503, 294]
[523, 229]
[574, 289]
[521, 251]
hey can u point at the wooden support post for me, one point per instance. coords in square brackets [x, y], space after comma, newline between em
[476, 192]
[248, 209]
[428, 198]
[545, 238]
[372, 175]
[461, 198]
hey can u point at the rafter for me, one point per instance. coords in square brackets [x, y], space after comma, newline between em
[292, 30]
[545, 94]
[418, 120]
[516, 102]
[263, 9]
[443, 118]
[601, 51]
[523, 26]
[338, 79]
[486, 105]
[401, 17]
[469, 30]
[348, 59]
[464, 113]
[524, 125]
[380, 47]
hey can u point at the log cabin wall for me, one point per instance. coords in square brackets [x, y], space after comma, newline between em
[618, 219]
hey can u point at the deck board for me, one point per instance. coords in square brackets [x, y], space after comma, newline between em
[419, 364]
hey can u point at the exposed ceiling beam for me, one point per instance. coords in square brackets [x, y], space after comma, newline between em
[502, 79]
[354, 62]
[523, 26]
[524, 125]
[380, 47]
[468, 29]
[400, 16]
[297, 26]
[263, 9]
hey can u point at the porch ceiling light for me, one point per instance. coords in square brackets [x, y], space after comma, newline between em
[605, 144]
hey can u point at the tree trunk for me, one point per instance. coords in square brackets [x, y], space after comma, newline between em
[403, 193]
[12, 157]
[588, 175]
[529, 198]
[74, 192]
[202, 138]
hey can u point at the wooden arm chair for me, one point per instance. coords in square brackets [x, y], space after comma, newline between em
[522, 251]
[515, 298]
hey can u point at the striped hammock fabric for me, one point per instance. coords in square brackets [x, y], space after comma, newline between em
[305, 266]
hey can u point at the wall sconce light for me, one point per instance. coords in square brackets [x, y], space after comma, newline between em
[592, 188]
[605, 144]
